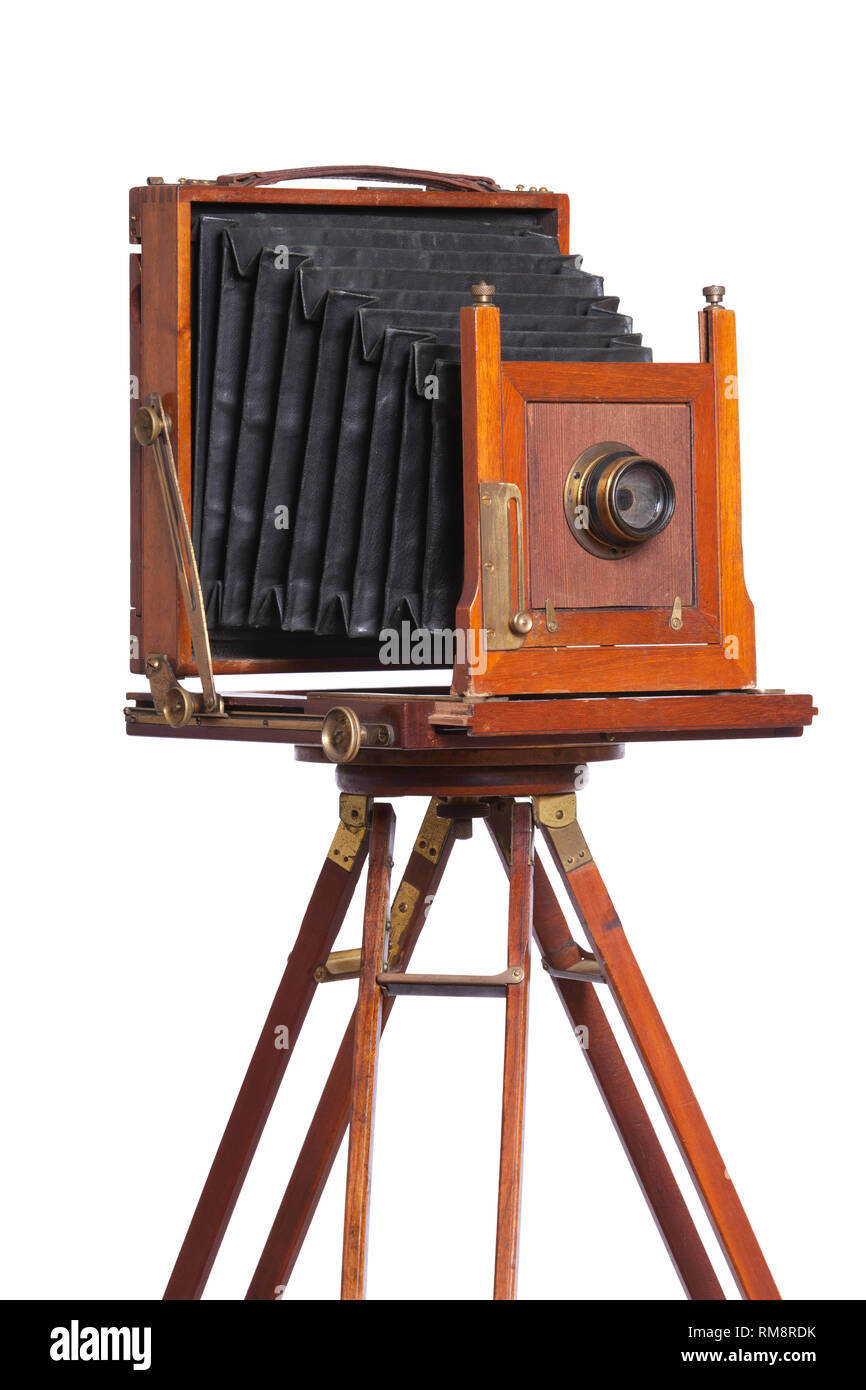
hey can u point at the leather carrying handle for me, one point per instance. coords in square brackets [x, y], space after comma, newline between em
[458, 183]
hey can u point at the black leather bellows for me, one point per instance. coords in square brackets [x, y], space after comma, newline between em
[327, 471]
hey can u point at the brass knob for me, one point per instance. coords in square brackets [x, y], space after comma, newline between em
[147, 425]
[483, 293]
[714, 294]
[342, 734]
[178, 707]
[521, 623]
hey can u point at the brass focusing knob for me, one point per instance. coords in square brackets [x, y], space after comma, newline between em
[179, 707]
[147, 425]
[483, 293]
[714, 294]
[342, 734]
[521, 623]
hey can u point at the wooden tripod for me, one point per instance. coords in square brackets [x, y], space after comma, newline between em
[367, 827]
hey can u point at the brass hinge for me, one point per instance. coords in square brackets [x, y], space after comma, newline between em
[402, 912]
[340, 965]
[587, 970]
[354, 819]
[434, 831]
[557, 815]
[171, 700]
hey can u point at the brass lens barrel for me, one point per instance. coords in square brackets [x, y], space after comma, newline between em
[616, 498]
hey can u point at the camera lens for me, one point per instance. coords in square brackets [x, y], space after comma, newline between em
[640, 498]
[615, 499]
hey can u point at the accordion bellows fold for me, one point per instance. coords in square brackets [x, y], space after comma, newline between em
[327, 469]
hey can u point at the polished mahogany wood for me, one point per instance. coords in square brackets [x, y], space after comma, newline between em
[730, 714]
[331, 1119]
[670, 1083]
[618, 1091]
[368, 1025]
[134, 453]
[718, 339]
[439, 729]
[622, 1099]
[319, 929]
[481, 394]
[658, 571]
[603, 649]
[162, 365]
[524, 780]
[514, 1070]
[554, 207]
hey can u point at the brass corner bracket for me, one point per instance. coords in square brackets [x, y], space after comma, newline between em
[354, 820]
[557, 817]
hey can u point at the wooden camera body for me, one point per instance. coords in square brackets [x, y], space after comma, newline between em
[287, 382]
[670, 614]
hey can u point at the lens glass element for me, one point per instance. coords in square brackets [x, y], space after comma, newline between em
[640, 496]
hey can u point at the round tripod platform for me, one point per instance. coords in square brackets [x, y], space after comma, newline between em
[508, 771]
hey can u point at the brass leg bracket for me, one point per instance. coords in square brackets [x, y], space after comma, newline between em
[557, 816]
[340, 965]
[354, 821]
[432, 837]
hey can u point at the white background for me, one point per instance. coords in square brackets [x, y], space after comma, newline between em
[152, 888]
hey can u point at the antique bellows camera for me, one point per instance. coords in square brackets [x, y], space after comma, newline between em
[403, 425]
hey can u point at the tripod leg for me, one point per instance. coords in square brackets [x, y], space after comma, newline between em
[514, 1076]
[622, 1100]
[665, 1071]
[368, 1027]
[307, 1183]
[322, 921]
[621, 1097]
